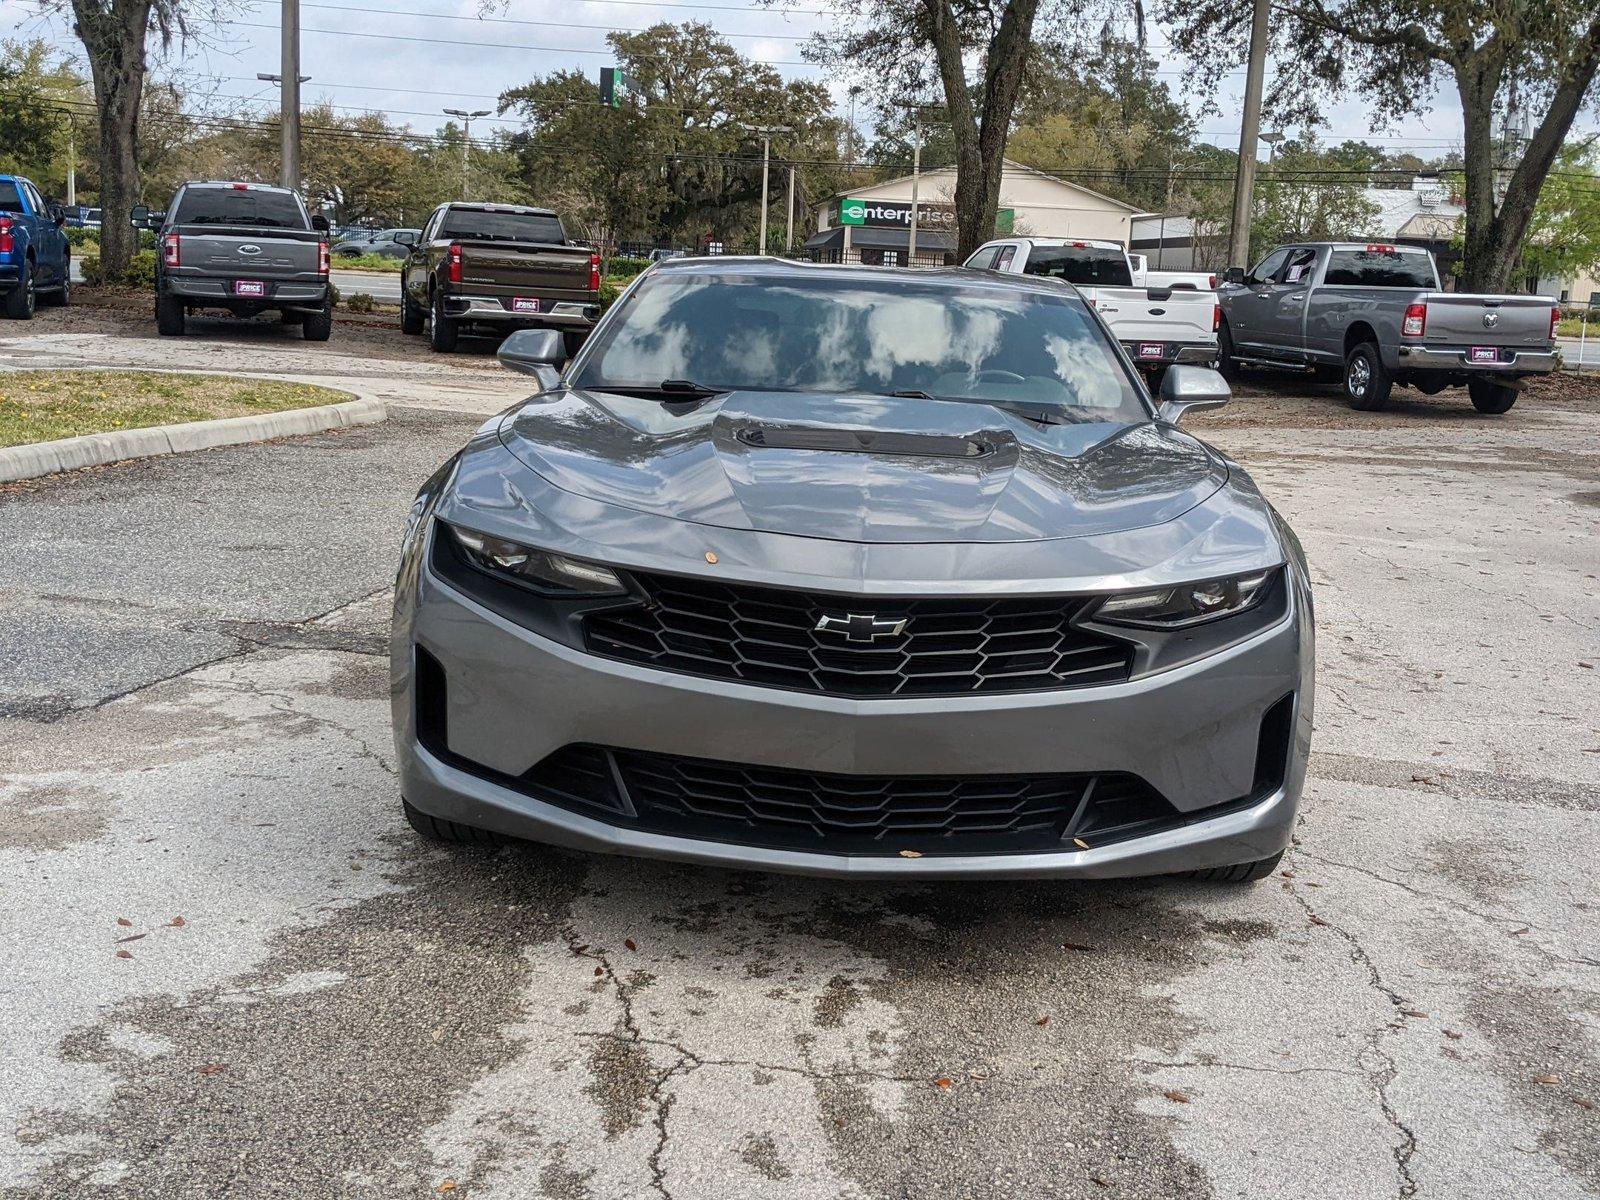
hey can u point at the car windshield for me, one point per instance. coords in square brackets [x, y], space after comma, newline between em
[240, 206]
[486, 225]
[866, 334]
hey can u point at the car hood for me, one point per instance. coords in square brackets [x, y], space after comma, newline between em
[862, 468]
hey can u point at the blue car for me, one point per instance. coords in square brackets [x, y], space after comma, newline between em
[35, 259]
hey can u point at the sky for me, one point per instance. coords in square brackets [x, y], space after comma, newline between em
[411, 59]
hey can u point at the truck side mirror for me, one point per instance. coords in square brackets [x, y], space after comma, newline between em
[57, 214]
[320, 223]
[140, 215]
[406, 237]
[1233, 275]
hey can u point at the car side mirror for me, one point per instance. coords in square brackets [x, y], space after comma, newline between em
[536, 352]
[406, 238]
[57, 214]
[1233, 275]
[320, 223]
[139, 215]
[1184, 388]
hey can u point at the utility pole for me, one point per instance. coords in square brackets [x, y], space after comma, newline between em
[289, 80]
[788, 237]
[916, 176]
[72, 162]
[765, 132]
[1250, 129]
[466, 139]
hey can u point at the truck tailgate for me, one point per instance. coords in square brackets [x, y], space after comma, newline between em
[244, 253]
[1157, 314]
[1455, 319]
[525, 269]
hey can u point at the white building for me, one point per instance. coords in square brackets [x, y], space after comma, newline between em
[1031, 203]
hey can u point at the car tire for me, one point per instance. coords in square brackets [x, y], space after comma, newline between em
[318, 326]
[22, 301]
[437, 829]
[1152, 381]
[572, 343]
[443, 332]
[412, 319]
[1366, 380]
[169, 316]
[1245, 872]
[1491, 397]
[1227, 365]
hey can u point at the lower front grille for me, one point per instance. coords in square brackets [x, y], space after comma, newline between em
[848, 814]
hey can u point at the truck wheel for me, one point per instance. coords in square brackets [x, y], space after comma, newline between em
[318, 327]
[438, 829]
[444, 332]
[412, 318]
[22, 301]
[1245, 872]
[169, 316]
[1225, 360]
[1491, 397]
[573, 342]
[1366, 382]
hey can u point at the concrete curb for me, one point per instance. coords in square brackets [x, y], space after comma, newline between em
[97, 449]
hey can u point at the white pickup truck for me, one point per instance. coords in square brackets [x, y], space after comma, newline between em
[1157, 326]
[1145, 276]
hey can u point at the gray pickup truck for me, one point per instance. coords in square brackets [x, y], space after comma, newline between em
[244, 248]
[1373, 316]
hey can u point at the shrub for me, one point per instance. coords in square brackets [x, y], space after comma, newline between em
[361, 302]
[90, 266]
[333, 294]
[626, 268]
[140, 271]
[83, 237]
[610, 289]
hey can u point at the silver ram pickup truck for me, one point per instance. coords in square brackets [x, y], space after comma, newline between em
[244, 248]
[1373, 316]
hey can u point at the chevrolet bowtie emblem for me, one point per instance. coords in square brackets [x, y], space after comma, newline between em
[861, 627]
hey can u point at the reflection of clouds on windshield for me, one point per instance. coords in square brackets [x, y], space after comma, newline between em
[1084, 368]
[651, 335]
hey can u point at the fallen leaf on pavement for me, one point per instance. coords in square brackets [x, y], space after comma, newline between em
[1411, 1012]
[1519, 932]
[211, 1068]
[449, 1185]
[1316, 920]
[599, 970]
[1176, 1097]
[133, 937]
[1547, 1080]
[1287, 874]
[177, 922]
[942, 1082]
[630, 943]
[124, 922]
[1453, 1035]
[123, 954]
[1077, 946]
[581, 948]
[1044, 1020]
[1581, 1103]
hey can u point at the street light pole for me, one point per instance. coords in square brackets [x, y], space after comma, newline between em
[288, 80]
[1250, 130]
[765, 132]
[788, 237]
[916, 177]
[466, 139]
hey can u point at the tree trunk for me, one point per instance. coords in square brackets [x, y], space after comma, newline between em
[1495, 233]
[114, 37]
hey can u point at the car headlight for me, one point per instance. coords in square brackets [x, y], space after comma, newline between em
[541, 570]
[1186, 604]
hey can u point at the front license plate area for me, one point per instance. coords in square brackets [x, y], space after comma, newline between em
[1152, 350]
[1484, 354]
[249, 287]
[525, 304]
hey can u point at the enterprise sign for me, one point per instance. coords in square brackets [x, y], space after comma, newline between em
[887, 214]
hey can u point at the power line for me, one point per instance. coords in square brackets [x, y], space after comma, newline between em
[401, 12]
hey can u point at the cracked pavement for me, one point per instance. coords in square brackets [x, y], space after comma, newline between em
[234, 972]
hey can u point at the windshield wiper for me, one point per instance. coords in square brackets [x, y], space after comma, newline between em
[1040, 414]
[668, 391]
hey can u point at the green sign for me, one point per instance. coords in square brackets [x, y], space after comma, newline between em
[852, 212]
[1005, 222]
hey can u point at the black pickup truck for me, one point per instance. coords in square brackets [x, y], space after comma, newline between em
[494, 268]
[244, 248]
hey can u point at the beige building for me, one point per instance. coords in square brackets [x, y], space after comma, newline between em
[872, 224]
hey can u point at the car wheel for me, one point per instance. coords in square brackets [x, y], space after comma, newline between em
[1488, 396]
[1227, 365]
[169, 316]
[318, 327]
[412, 318]
[437, 829]
[443, 332]
[22, 301]
[1366, 381]
[1152, 380]
[1245, 872]
[573, 342]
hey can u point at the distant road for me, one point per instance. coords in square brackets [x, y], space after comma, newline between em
[382, 287]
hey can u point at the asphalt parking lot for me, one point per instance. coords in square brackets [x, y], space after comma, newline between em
[234, 971]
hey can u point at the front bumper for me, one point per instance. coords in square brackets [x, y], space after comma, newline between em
[1192, 732]
[1455, 359]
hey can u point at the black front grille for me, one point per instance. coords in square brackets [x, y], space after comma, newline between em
[770, 636]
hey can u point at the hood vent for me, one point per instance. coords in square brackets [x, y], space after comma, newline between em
[865, 441]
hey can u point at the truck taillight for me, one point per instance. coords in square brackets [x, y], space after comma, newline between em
[1555, 323]
[8, 240]
[1415, 321]
[322, 258]
[1211, 282]
[1216, 317]
[171, 251]
[594, 272]
[453, 269]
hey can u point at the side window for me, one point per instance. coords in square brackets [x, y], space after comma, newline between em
[1301, 264]
[1007, 253]
[1267, 267]
[431, 229]
[984, 258]
[33, 197]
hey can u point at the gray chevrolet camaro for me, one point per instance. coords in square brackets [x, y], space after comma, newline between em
[854, 572]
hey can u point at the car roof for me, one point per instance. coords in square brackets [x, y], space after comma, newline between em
[754, 266]
[211, 184]
[481, 206]
[1397, 247]
[1092, 243]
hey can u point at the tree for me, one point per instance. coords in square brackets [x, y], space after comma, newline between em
[1564, 234]
[1539, 54]
[38, 93]
[114, 33]
[1301, 199]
